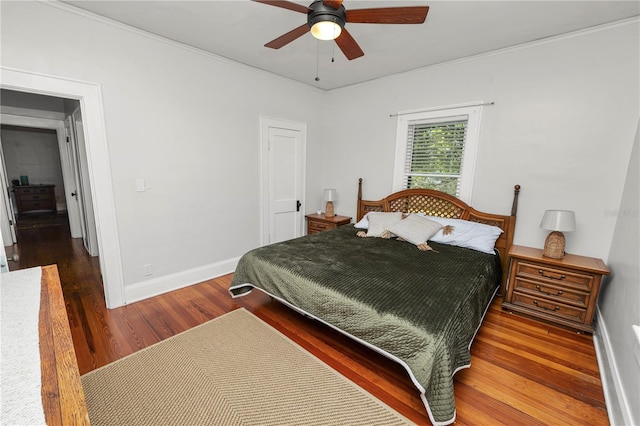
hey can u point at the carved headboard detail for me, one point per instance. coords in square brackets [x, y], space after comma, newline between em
[436, 203]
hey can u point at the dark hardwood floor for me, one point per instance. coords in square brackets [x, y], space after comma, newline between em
[523, 372]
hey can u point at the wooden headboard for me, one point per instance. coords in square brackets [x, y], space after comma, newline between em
[436, 203]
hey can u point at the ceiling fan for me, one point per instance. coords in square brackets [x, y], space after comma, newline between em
[326, 20]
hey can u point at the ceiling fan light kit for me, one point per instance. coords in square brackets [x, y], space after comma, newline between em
[326, 20]
[326, 30]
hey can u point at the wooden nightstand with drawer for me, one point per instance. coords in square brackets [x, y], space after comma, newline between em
[561, 291]
[319, 222]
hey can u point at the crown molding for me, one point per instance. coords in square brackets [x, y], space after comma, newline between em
[523, 46]
[119, 25]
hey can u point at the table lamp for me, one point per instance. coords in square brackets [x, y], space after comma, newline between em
[329, 197]
[557, 221]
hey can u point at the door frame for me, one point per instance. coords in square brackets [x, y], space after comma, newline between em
[267, 123]
[77, 148]
[8, 223]
[63, 149]
[90, 97]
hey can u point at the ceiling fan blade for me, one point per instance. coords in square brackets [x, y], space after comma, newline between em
[285, 5]
[288, 37]
[348, 45]
[389, 15]
[333, 3]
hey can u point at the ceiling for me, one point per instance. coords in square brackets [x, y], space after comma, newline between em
[238, 30]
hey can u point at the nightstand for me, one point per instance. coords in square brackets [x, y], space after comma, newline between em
[561, 291]
[319, 222]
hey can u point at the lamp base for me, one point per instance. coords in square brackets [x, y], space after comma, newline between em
[329, 209]
[554, 245]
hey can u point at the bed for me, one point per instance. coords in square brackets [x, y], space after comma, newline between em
[420, 308]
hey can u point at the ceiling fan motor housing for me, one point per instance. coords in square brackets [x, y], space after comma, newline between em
[320, 12]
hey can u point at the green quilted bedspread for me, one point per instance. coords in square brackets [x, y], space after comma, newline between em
[422, 308]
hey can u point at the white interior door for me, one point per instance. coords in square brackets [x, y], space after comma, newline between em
[83, 188]
[75, 189]
[8, 219]
[283, 179]
[69, 177]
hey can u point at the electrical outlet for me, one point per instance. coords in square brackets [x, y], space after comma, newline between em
[148, 270]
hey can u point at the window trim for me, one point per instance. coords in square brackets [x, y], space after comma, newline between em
[472, 112]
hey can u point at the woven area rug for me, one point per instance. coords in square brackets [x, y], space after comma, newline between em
[233, 370]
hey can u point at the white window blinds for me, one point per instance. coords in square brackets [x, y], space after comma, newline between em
[436, 149]
[434, 154]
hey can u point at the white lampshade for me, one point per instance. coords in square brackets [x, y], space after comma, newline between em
[330, 195]
[559, 220]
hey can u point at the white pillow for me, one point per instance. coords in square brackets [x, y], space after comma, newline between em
[379, 222]
[473, 235]
[415, 229]
[363, 223]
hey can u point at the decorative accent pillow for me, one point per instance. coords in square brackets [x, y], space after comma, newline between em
[416, 229]
[380, 222]
[473, 235]
[363, 223]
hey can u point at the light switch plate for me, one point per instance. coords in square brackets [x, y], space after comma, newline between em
[140, 185]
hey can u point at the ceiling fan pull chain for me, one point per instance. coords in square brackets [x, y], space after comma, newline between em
[317, 60]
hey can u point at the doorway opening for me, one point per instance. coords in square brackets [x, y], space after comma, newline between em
[40, 168]
[89, 97]
[33, 171]
[41, 147]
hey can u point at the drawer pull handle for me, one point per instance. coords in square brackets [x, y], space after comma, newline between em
[541, 272]
[548, 292]
[557, 308]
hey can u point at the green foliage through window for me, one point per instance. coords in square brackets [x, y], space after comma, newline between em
[434, 155]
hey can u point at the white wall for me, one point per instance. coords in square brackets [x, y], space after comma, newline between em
[562, 127]
[619, 300]
[185, 121]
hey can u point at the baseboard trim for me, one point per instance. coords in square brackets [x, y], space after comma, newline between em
[154, 287]
[618, 408]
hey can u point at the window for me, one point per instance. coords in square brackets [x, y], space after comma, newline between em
[437, 149]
